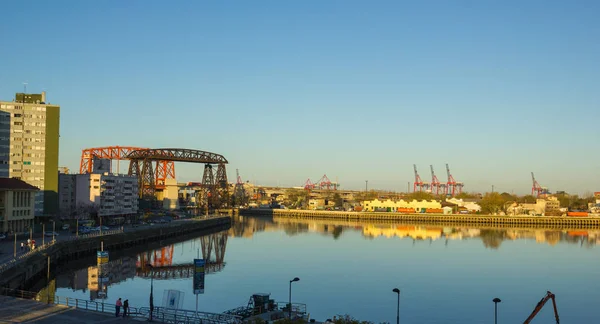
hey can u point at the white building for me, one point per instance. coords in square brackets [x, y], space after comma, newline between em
[17, 202]
[110, 195]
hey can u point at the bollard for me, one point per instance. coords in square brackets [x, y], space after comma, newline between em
[86, 304]
[76, 303]
[67, 301]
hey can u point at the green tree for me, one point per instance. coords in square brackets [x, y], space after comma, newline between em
[337, 199]
[492, 203]
[528, 199]
[420, 195]
[466, 195]
[295, 197]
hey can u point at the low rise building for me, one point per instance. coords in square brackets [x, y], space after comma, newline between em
[394, 205]
[17, 205]
[104, 194]
[470, 205]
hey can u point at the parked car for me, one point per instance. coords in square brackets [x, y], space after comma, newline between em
[104, 228]
[66, 227]
[50, 234]
[2, 236]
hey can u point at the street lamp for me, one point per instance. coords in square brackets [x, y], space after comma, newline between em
[151, 291]
[397, 291]
[496, 301]
[53, 230]
[290, 304]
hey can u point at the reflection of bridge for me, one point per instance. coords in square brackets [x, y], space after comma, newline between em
[159, 263]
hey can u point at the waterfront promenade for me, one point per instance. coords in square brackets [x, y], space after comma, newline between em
[17, 310]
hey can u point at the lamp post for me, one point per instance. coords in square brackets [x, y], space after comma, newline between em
[53, 230]
[397, 291]
[15, 254]
[43, 234]
[290, 304]
[496, 301]
[151, 291]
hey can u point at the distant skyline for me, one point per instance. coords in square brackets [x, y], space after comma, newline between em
[293, 90]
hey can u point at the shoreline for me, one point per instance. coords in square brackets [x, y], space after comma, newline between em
[542, 222]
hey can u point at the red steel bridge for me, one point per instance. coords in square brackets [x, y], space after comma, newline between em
[159, 263]
[153, 167]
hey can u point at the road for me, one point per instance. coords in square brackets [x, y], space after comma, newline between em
[7, 245]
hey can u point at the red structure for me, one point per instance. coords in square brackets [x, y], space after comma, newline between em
[325, 184]
[536, 189]
[437, 187]
[419, 184]
[453, 187]
[164, 169]
[308, 185]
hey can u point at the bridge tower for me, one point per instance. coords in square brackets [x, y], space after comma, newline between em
[239, 193]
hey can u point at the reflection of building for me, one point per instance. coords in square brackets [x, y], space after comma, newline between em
[113, 272]
[414, 232]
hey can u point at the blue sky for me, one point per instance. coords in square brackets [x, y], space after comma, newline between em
[356, 90]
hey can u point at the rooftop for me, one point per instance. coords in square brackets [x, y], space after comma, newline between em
[15, 184]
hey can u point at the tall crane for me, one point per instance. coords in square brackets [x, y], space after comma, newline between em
[536, 189]
[541, 304]
[239, 192]
[418, 182]
[453, 187]
[437, 187]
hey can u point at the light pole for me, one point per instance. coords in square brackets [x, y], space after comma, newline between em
[151, 290]
[496, 301]
[53, 230]
[397, 291]
[366, 186]
[43, 234]
[15, 254]
[290, 304]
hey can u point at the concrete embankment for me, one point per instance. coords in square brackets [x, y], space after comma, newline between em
[545, 222]
[36, 265]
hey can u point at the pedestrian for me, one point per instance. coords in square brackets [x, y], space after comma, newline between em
[22, 246]
[118, 307]
[125, 307]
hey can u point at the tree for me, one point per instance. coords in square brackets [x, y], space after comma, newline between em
[466, 195]
[528, 199]
[492, 203]
[295, 197]
[337, 199]
[420, 195]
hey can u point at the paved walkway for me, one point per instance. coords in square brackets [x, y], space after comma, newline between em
[14, 310]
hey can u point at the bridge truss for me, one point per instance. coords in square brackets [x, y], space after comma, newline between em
[214, 191]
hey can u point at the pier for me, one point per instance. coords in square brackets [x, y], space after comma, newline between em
[489, 221]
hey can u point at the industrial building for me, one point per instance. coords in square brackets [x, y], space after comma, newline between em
[29, 126]
[107, 194]
[17, 205]
[391, 205]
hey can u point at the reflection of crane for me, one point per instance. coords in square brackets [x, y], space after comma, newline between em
[541, 304]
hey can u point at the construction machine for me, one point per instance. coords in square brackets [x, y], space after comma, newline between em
[540, 305]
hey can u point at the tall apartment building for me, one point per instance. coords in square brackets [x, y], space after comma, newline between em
[32, 155]
[110, 195]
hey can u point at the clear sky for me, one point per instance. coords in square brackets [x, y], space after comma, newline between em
[357, 90]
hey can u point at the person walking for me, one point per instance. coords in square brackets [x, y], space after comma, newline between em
[125, 307]
[22, 246]
[118, 307]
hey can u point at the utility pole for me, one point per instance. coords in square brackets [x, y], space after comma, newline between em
[366, 186]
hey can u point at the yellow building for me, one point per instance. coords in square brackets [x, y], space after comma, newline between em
[17, 205]
[373, 205]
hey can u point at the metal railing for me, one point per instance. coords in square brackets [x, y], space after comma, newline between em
[23, 294]
[95, 306]
[184, 316]
[38, 249]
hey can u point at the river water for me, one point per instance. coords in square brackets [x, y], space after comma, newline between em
[446, 275]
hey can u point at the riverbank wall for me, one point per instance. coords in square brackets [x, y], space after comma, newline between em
[38, 265]
[546, 222]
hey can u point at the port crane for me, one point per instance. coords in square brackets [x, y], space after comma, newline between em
[437, 187]
[239, 192]
[536, 189]
[541, 304]
[419, 182]
[453, 187]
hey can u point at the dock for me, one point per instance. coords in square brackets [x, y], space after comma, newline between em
[489, 221]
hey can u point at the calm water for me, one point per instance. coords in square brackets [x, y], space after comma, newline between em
[446, 275]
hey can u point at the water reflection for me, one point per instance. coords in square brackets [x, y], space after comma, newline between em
[161, 263]
[491, 238]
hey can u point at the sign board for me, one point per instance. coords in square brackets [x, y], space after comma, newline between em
[103, 279]
[102, 257]
[199, 276]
